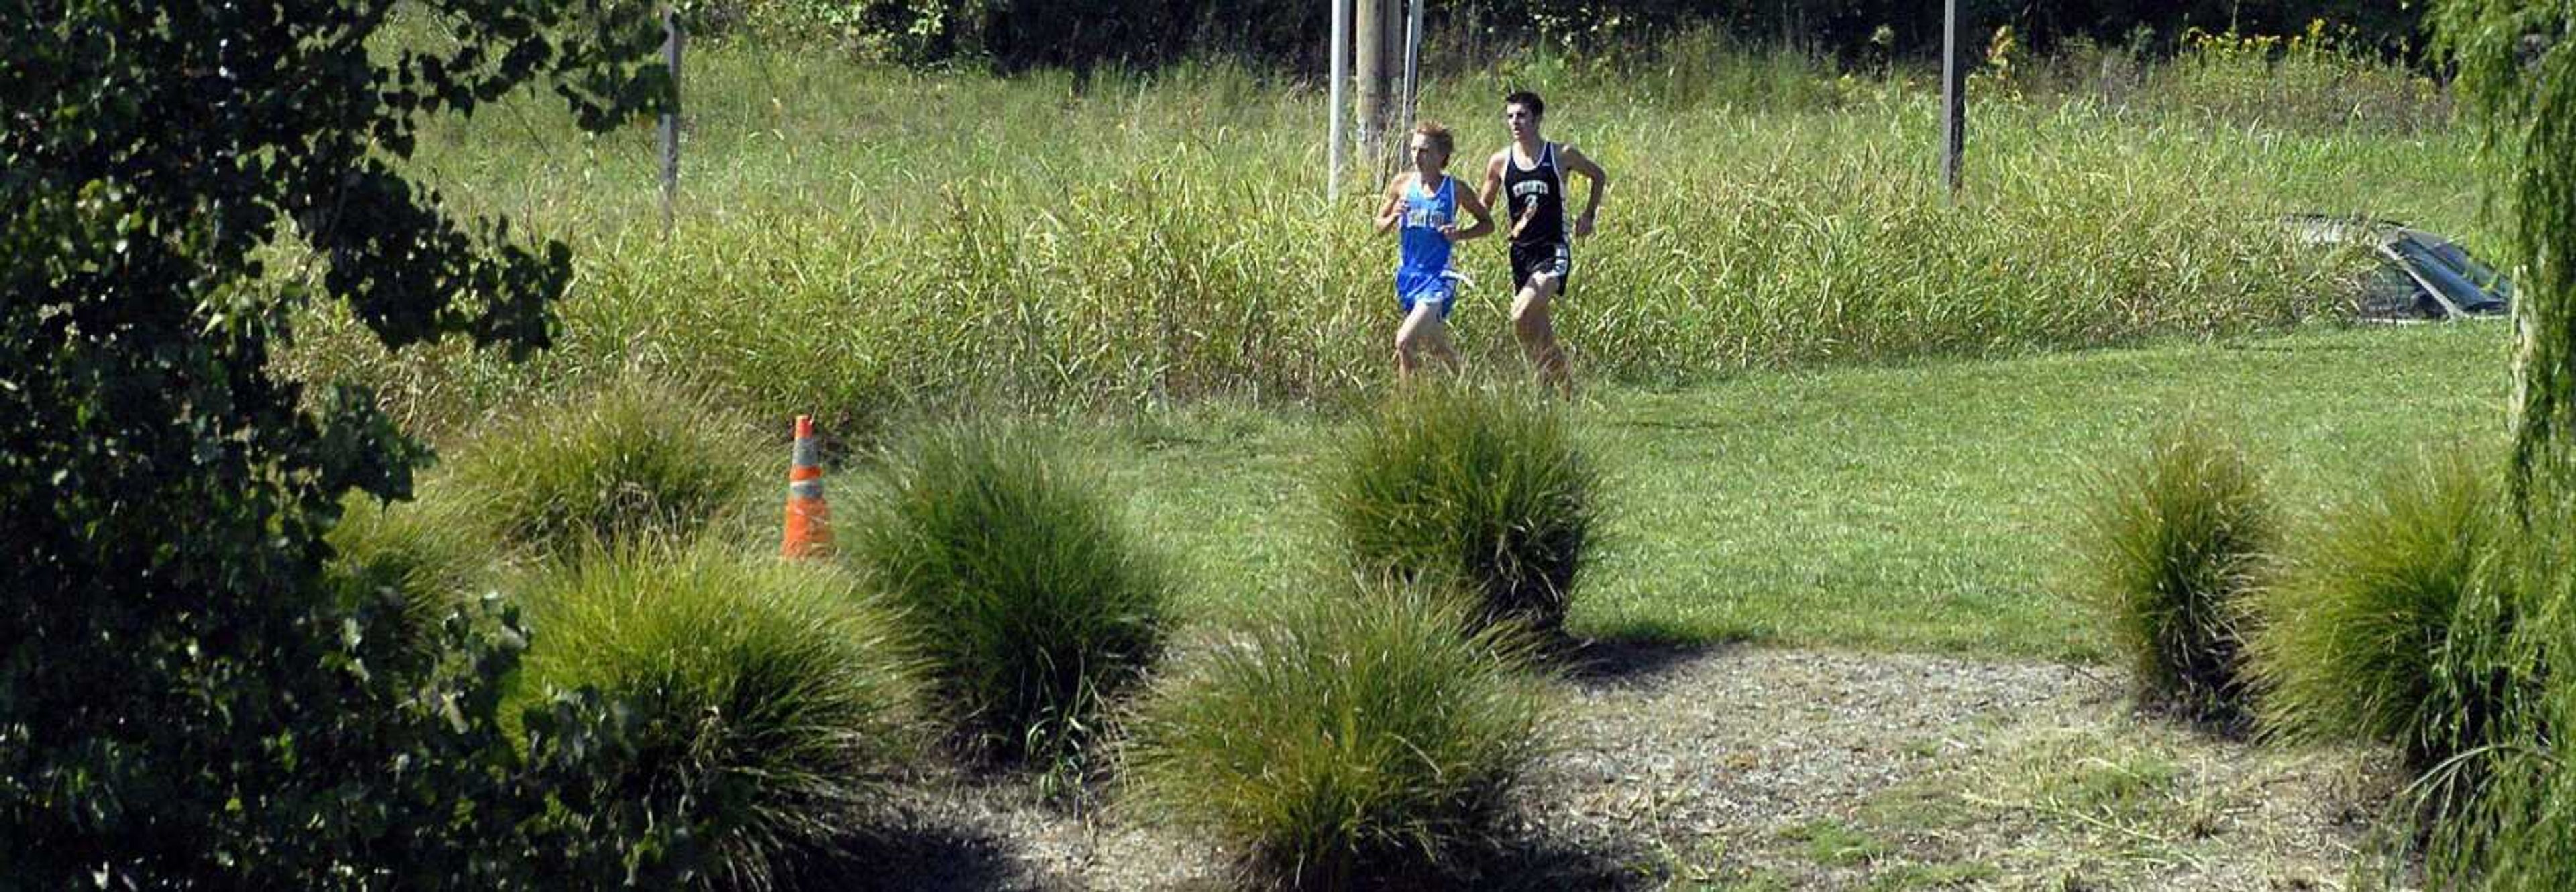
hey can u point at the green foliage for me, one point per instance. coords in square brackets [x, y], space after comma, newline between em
[1034, 603]
[1151, 32]
[186, 699]
[2517, 76]
[1475, 481]
[2517, 62]
[1349, 734]
[2169, 544]
[2363, 635]
[429, 561]
[2494, 815]
[2316, 80]
[634, 459]
[771, 701]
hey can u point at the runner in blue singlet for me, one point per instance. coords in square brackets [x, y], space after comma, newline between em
[1426, 203]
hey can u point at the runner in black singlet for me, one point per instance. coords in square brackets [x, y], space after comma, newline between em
[1537, 210]
[1525, 184]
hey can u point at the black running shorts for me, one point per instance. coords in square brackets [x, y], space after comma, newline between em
[1550, 258]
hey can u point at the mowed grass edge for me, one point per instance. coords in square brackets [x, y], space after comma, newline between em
[1910, 507]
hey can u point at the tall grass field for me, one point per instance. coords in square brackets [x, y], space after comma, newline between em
[863, 242]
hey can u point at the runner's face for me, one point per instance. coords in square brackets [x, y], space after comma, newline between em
[1517, 117]
[1426, 159]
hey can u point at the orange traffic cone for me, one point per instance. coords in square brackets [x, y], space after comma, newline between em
[809, 521]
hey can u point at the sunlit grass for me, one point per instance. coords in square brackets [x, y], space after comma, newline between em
[2171, 541]
[856, 242]
[770, 704]
[1348, 733]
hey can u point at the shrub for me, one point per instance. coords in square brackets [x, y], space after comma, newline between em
[1032, 603]
[2317, 81]
[186, 700]
[425, 559]
[2357, 636]
[633, 459]
[1347, 733]
[2170, 544]
[1474, 481]
[2496, 813]
[770, 701]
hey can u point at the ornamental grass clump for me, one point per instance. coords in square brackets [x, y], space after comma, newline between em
[2171, 542]
[2368, 632]
[1349, 734]
[769, 705]
[1472, 481]
[430, 558]
[2498, 809]
[1034, 603]
[633, 459]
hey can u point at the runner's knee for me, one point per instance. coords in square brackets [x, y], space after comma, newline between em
[1526, 313]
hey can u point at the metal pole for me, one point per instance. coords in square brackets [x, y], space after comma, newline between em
[1954, 97]
[1341, 67]
[1412, 63]
[671, 119]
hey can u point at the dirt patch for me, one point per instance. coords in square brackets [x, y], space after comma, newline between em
[1761, 768]
[1758, 768]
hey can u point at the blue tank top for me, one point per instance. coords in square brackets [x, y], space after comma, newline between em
[1425, 249]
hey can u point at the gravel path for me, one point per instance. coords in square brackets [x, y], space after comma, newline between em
[1761, 768]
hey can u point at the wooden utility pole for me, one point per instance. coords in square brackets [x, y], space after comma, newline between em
[1954, 97]
[670, 118]
[1372, 73]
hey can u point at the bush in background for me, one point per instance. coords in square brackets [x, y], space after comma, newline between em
[2171, 542]
[1034, 604]
[2313, 81]
[769, 702]
[633, 459]
[1472, 481]
[1351, 733]
[2362, 635]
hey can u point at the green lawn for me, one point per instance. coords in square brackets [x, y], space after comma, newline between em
[1917, 507]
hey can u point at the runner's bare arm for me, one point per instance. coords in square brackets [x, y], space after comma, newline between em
[1577, 163]
[1493, 190]
[1475, 207]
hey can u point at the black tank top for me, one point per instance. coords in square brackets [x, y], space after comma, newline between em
[1543, 187]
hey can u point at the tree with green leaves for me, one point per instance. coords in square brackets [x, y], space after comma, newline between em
[2517, 75]
[2517, 79]
[185, 698]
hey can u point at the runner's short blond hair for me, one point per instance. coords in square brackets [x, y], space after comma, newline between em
[1440, 139]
